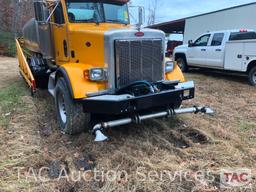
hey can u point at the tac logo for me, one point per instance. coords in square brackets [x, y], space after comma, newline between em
[233, 178]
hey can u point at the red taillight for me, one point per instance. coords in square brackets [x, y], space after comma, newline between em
[243, 30]
[33, 85]
[139, 34]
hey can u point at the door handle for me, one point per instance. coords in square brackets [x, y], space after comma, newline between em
[65, 48]
[217, 49]
[203, 49]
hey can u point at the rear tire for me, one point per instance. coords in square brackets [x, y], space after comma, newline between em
[71, 118]
[182, 63]
[252, 76]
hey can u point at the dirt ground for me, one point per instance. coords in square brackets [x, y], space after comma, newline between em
[8, 71]
[185, 153]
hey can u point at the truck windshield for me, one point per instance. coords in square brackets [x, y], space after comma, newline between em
[89, 12]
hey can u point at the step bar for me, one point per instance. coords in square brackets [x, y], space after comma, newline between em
[98, 128]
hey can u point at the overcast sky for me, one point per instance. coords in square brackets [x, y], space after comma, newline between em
[176, 9]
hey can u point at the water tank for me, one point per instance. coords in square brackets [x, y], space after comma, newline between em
[37, 32]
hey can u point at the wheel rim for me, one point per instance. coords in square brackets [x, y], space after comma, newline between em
[62, 108]
[254, 77]
[180, 64]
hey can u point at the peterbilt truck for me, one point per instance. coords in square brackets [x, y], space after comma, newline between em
[101, 71]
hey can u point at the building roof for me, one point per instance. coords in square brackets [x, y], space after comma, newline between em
[178, 26]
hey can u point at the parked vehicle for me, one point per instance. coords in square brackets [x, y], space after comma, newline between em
[97, 66]
[232, 50]
[171, 44]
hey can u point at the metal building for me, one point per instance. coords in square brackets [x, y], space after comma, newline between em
[238, 17]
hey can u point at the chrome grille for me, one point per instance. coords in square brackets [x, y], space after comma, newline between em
[138, 60]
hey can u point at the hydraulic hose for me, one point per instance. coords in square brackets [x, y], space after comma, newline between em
[148, 84]
[50, 64]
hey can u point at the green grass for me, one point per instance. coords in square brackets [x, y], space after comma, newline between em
[247, 126]
[8, 42]
[10, 101]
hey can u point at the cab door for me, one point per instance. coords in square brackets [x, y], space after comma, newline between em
[215, 52]
[197, 53]
[60, 37]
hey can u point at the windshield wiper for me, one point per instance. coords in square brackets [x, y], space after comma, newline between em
[115, 21]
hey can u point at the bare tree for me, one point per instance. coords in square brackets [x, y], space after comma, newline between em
[152, 8]
[25, 10]
[14, 14]
[7, 9]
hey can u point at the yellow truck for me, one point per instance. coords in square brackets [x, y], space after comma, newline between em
[99, 67]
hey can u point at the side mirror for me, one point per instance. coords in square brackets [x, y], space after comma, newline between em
[190, 43]
[41, 11]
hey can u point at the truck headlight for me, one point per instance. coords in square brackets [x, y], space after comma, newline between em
[169, 66]
[98, 74]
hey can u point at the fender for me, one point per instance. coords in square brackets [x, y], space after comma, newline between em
[78, 85]
[61, 72]
[176, 74]
[182, 49]
[250, 63]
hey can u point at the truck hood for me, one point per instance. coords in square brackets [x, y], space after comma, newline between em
[96, 28]
[182, 46]
[93, 44]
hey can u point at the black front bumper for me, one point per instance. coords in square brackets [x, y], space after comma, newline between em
[122, 104]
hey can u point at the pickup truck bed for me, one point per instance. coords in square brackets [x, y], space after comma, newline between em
[238, 54]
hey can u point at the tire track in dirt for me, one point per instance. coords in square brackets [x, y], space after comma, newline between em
[186, 142]
[172, 139]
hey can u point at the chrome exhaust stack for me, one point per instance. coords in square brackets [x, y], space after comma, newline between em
[97, 129]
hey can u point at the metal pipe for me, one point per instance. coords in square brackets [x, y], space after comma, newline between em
[194, 109]
[187, 110]
[117, 123]
[138, 118]
[155, 115]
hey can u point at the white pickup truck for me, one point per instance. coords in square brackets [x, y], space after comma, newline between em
[233, 50]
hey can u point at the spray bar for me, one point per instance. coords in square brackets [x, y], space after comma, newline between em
[98, 128]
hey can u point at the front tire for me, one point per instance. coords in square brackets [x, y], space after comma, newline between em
[252, 76]
[71, 118]
[182, 63]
